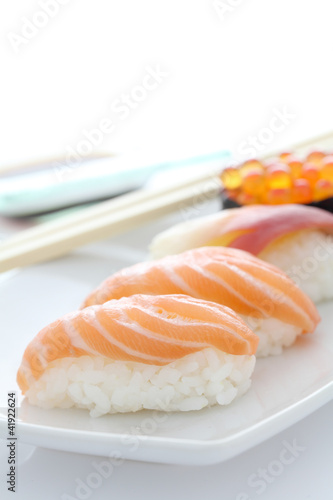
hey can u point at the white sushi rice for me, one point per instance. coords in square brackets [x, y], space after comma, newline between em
[273, 335]
[307, 258]
[201, 379]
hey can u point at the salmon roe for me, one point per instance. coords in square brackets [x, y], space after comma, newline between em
[288, 179]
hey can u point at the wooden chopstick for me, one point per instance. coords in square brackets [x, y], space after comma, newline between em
[58, 237]
[131, 199]
[323, 141]
[106, 219]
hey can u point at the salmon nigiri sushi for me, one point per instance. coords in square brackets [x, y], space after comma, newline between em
[296, 238]
[263, 295]
[167, 353]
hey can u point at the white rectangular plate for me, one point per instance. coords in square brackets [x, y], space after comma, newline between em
[285, 388]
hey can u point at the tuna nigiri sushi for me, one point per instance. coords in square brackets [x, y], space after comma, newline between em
[266, 299]
[167, 353]
[296, 238]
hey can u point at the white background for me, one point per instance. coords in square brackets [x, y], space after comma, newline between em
[225, 76]
[225, 79]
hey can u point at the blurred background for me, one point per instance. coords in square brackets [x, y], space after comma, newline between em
[191, 74]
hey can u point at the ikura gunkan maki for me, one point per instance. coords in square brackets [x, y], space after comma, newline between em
[287, 179]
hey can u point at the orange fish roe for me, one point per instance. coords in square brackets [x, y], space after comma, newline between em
[278, 196]
[315, 157]
[231, 178]
[310, 172]
[251, 165]
[246, 199]
[278, 176]
[322, 190]
[285, 157]
[254, 182]
[295, 168]
[286, 180]
[326, 171]
[301, 191]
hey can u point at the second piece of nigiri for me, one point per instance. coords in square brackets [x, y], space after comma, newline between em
[268, 301]
[296, 238]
